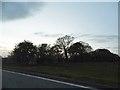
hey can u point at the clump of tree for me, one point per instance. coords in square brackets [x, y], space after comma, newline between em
[79, 51]
[79, 48]
[24, 52]
[56, 54]
[63, 51]
[64, 44]
[42, 53]
[104, 55]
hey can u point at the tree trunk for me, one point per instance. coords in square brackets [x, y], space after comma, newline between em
[66, 56]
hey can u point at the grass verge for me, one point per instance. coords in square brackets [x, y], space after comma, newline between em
[99, 73]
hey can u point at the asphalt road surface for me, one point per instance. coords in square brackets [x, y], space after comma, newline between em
[19, 80]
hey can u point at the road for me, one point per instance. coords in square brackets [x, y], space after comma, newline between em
[20, 80]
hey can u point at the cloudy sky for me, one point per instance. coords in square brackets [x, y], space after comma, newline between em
[95, 23]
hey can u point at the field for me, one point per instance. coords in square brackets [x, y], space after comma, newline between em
[99, 73]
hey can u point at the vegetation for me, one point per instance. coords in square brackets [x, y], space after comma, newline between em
[64, 51]
[24, 52]
[101, 73]
[77, 60]
[64, 43]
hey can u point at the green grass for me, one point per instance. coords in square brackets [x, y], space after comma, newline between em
[103, 73]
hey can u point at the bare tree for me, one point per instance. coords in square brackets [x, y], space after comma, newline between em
[64, 42]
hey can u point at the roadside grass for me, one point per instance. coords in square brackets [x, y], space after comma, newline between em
[102, 73]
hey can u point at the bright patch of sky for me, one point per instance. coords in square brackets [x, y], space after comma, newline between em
[95, 23]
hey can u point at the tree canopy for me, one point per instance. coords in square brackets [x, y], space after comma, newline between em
[79, 48]
[64, 43]
[25, 52]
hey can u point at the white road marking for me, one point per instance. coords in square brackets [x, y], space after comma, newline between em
[76, 85]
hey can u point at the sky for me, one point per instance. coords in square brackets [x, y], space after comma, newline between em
[95, 23]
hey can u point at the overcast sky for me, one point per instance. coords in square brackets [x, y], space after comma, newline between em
[93, 23]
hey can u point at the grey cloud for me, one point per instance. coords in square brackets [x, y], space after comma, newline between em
[99, 38]
[38, 33]
[42, 34]
[17, 10]
[85, 35]
[104, 38]
[107, 36]
[80, 35]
